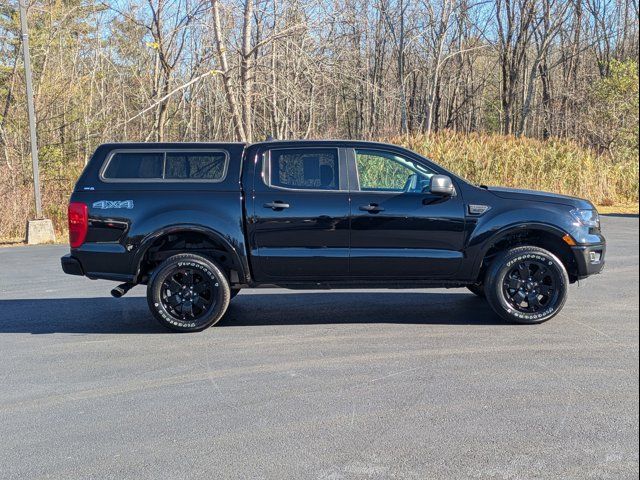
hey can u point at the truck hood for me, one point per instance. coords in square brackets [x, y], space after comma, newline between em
[538, 196]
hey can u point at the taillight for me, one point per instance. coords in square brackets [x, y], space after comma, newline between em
[78, 223]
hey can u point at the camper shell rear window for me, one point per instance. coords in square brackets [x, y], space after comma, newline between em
[165, 166]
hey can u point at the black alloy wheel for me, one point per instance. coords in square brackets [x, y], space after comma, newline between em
[531, 286]
[526, 284]
[188, 293]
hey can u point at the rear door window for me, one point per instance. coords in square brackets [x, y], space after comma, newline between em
[305, 169]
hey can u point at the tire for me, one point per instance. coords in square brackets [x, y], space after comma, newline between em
[234, 292]
[526, 285]
[188, 293]
[477, 289]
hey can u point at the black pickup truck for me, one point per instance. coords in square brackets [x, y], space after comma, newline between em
[197, 222]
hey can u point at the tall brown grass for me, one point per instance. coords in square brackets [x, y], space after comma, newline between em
[555, 165]
[17, 203]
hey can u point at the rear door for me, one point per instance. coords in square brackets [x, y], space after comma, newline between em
[300, 223]
[398, 228]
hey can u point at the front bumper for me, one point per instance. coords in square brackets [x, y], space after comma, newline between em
[589, 259]
[71, 265]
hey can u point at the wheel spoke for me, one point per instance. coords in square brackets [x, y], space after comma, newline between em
[201, 286]
[532, 301]
[187, 308]
[545, 289]
[513, 283]
[540, 274]
[519, 297]
[188, 278]
[200, 302]
[174, 285]
[523, 270]
[173, 300]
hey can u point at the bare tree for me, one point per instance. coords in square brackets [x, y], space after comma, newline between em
[549, 17]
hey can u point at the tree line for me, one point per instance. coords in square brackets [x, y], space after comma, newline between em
[203, 70]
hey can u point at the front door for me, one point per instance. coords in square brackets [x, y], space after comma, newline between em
[300, 223]
[398, 228]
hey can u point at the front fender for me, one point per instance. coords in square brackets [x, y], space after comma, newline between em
[490, 230]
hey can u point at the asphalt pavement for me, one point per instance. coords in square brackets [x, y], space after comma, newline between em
[321, 385]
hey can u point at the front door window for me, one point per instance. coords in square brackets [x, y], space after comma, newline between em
[386, 172]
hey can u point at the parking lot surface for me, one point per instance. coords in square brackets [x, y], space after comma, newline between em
[328, 385]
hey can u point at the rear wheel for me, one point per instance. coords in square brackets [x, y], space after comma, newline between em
[526, 285]
[188, 293]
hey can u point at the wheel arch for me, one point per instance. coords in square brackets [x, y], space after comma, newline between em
[237, 261]
[543, 235]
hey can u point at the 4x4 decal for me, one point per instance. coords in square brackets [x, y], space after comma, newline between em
[108, 204]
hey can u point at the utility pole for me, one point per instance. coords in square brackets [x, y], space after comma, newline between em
[31, 110]
[41, 229]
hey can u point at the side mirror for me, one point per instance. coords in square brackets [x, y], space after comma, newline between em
[442, 185]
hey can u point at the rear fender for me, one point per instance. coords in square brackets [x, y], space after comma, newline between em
[233, 246]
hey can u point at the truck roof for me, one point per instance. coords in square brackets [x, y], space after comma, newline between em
[301, 142]
[340, 142]
[113, 145]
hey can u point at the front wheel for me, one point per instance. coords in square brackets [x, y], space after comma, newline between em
[188, 293]
[526, 285]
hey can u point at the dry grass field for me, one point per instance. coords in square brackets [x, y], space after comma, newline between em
[554, 165]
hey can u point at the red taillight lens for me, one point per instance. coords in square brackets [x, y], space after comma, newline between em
[78, 223]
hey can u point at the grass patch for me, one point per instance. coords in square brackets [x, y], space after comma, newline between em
[555, 165]
[618, 209]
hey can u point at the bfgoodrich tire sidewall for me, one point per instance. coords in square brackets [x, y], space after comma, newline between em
[497, 297]
[206, 268]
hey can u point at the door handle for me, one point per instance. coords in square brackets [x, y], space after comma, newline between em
[276, 205]
[371, 208]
